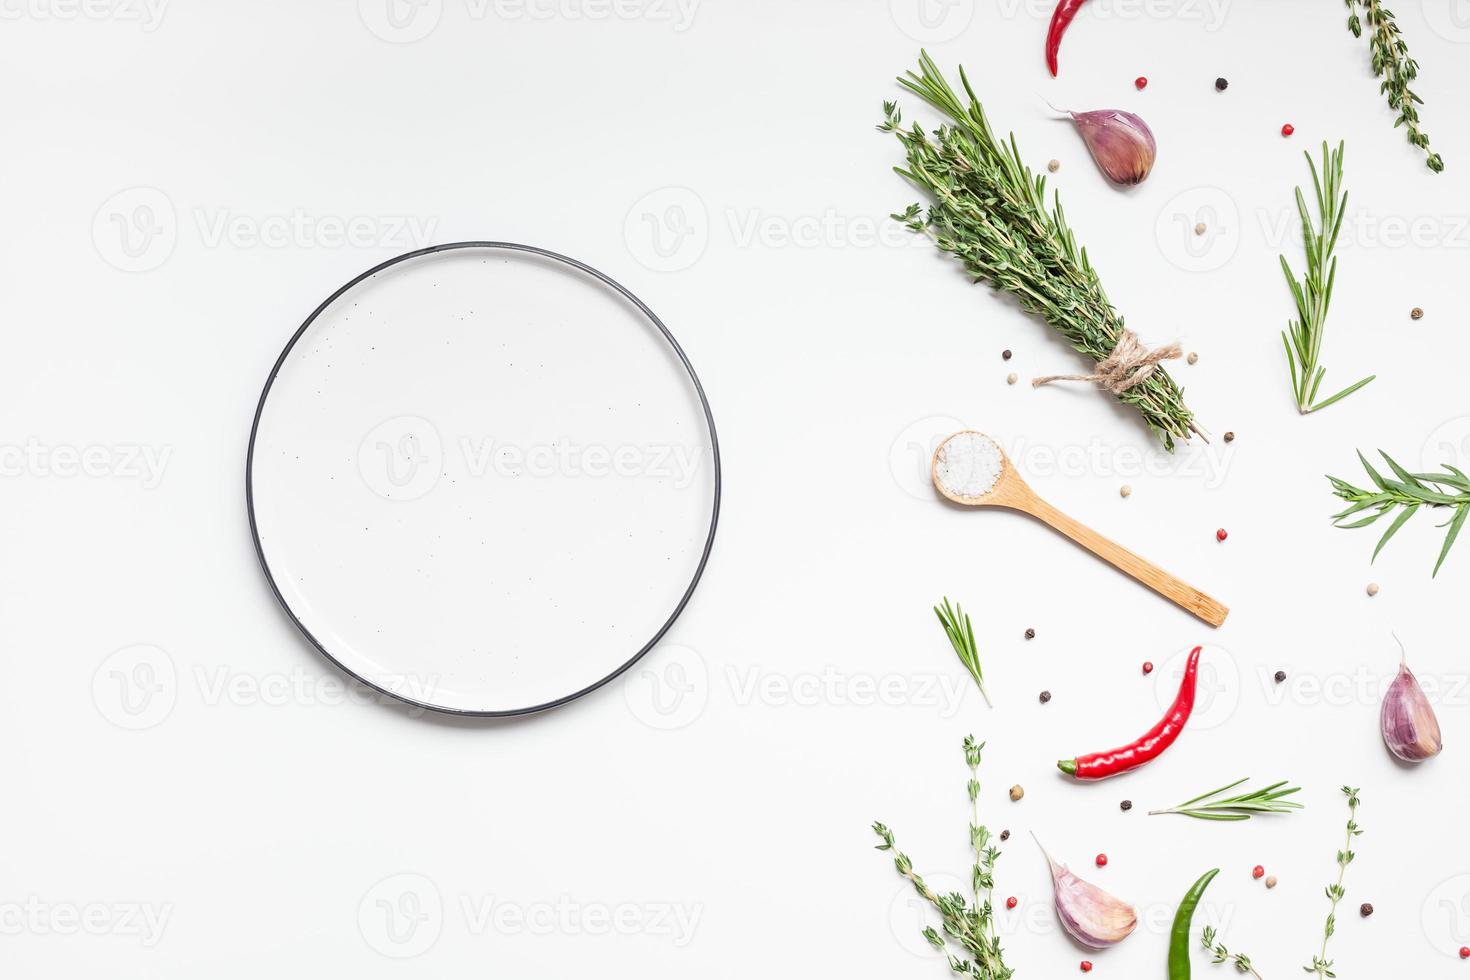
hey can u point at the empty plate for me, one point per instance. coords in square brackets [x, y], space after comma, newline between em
[483, 478]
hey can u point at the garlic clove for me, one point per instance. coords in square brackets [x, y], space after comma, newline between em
[1120, 142]
[1090, 915]
[1410, 729]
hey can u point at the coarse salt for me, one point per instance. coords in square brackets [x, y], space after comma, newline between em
[969, 464]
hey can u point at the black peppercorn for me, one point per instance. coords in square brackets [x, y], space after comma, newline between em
[1005, 835]
[1005, 354]
[1280, 676]
[1126, 805]
[1221, 84]
[1030, 633]
[1045, 696]
[1366, 909]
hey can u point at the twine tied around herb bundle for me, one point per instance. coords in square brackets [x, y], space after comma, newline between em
[1129, 364]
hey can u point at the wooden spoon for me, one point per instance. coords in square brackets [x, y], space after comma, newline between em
[1010, 491]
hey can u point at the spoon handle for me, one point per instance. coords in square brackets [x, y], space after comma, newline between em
[1151, 575]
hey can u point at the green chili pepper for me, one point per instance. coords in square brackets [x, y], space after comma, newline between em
[1179, 942]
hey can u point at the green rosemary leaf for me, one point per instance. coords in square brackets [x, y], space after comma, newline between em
[1449, 539]
[1312, 293]
[1214, 806]
[1393, 528]
[961, 633]
[1344, 393]
[1412, 491]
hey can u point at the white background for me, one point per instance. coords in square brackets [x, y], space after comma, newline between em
[732, 778]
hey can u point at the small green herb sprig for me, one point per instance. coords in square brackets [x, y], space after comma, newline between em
[1321, 965]
[1391, 62]
[1406, 494]
[962, 636]
[1240, 961]
[1313, 294]
[1211, 806]
[968, 924]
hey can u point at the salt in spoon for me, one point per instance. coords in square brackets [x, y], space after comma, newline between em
[971, 469]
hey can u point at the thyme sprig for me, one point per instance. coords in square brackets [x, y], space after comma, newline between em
[1321, 965]
[1303, 336]
[1391, 62]
[988, 210]
[1240, 961]
[1243, 806]
[962, 637]
[1406, 494]
[969, 938]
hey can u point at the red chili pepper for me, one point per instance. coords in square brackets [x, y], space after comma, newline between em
[1101, 765]
[1060, 19]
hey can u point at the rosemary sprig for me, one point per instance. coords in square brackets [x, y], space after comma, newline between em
[1206, 806]
[1303, 336]
[1321, 965]
[988, 210]
[968, 925]
[962, 636]
[1241, 962]
[1391, 62]
[1409, 492]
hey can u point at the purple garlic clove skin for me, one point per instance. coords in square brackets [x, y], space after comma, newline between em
[1410, 729]
[1090, 915]
[1120, 142]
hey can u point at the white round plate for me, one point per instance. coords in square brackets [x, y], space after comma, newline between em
[483, 478]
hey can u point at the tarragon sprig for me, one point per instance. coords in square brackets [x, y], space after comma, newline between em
[1303, 336]
[1406, 495]
[1321, 965]
[1391, 62]
[962, 637]
[1240, 961]
[988, 210]
[1209, 806]
[969, 938]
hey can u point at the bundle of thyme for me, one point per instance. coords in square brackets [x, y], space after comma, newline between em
[1406, 494]
[1391, 62]
[1321, 965]
[1303, 336]
[988, 210]
[968, 924]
